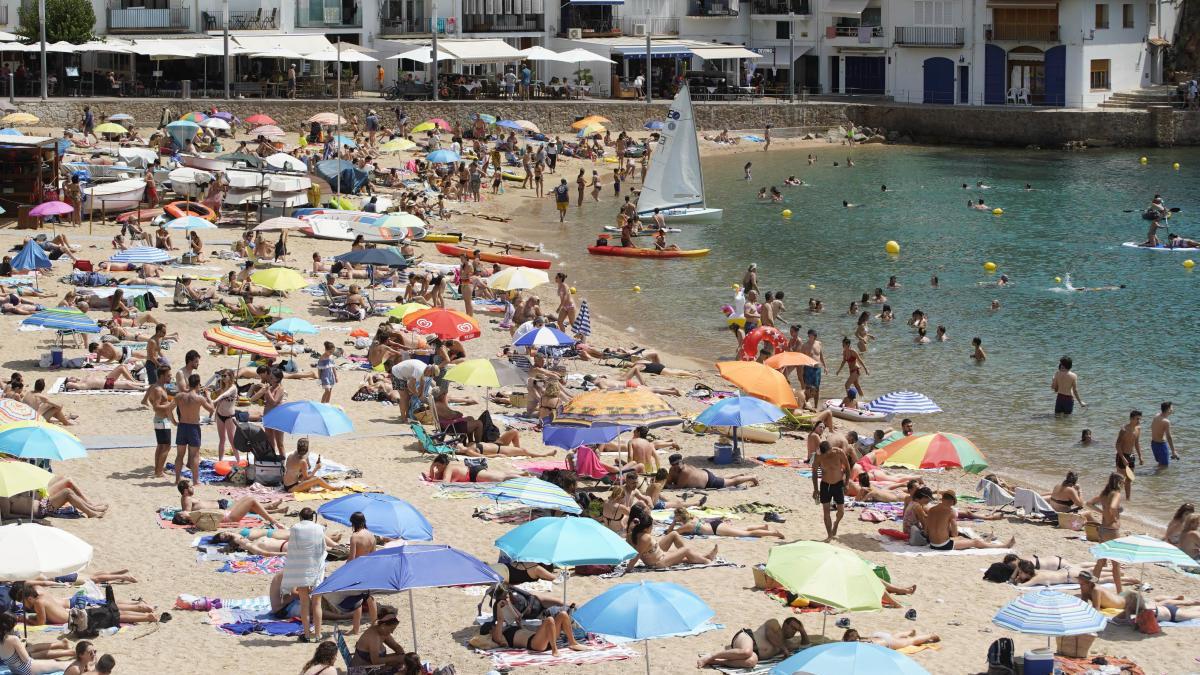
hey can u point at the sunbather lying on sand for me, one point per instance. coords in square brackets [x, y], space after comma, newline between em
[686, 524]
[47, 609]
[259, 541]
[766, 642]
[864, 492]
[1047, 571]
[632, 382]
[231, 517]
[441, 470]
[660, 554]
[507, 445]
[681, 475]
[1175, 609]
[908, 638]
[25, 505]
[188, 501]
[540, 640]
[118, 379]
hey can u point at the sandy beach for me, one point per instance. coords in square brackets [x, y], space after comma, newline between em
[950, 600]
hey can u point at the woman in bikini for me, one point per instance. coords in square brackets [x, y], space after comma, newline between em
[1065, 497]
[670, 549]
[1175, 527]
[908, 638]
[224, 405]
[266, 541]
[442, 471]
[373, 645]
[862, 332]
[615, 509]
[545, 638]
[507, 445]
[196, 247]
[465, 286]
[686, 524]
[1175, 609]
[855, 362]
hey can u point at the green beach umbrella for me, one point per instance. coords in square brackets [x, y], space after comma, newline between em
[1139, 549]
[827, 574]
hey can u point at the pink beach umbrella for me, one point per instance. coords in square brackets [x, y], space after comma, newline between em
[51, 208]
[268, 130]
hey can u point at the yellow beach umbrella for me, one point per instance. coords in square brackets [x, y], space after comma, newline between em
[406, 309]
[19, 118]
[590, 119]
[17, 477]
[111, 128]
[424, 126]
[518, 279]
[397, 145]
[279, 279]
[489, 373]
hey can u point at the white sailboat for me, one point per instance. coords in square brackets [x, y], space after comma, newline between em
[674, 181]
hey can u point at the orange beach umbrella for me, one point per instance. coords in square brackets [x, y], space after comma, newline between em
[759, 381]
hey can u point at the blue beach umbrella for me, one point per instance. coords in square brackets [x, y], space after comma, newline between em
[849, 658]
[565, 542]
[740, 411]
[32, 257]
[1050, 613]
[443, 157]
[10, 131]
[190, 223]
[388, 257]
[510, 124]
[292, 326]
[403, 568]
[63, 318]
[644, 610]
[534, 493]
[182, 131]
[546, 336]
[39, 440]
[571, 437]
[344, 141]
[653, 125]
[140, 255]
[387, 516]
[308, 418]
[903, 403]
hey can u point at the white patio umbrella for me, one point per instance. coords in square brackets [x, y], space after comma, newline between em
[31, 550]
[423, 55]
[348, 56]
[539, 53]
[584, 56]
[215, 123]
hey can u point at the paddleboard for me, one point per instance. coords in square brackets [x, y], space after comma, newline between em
[1134, 244]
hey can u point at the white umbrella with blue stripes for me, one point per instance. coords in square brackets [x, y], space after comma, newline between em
[583, 321]
[903, 403]
[139, 255]
[1050, 613]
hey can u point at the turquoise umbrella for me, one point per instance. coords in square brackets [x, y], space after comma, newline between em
[565, 542]
[308, 418]
[35, 440]
[182, 131]
[1140, 549]
[644, 610]
[849, 658]
[292, 326]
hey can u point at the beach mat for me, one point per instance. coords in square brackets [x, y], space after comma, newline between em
[540, 466]
[622, 569]
[902, 548]
[253, 564]
[762, 668]
[602, 652]
[329, 494]
[59, 388]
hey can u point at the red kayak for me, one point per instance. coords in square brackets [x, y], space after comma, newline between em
[499, 258]
[631, 252]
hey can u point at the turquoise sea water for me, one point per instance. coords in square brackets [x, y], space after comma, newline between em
[1133, 348]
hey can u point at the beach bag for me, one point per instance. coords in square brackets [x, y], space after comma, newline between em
[87, 622]
[1147, 622]
[475, 462]
[491, 433]
[1000, 657]
[917, 538]
[207, 521]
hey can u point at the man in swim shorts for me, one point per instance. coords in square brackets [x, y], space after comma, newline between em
[186, 416]
[1065, 385]
[830, 467]
[1161, 442]
[1129, 441]
[681, 475]
[812, 374]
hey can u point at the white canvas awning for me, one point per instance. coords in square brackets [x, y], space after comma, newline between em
[107, 46]
[53, 48]
[480, 51]
[584, 56]
[709, 54]
[297, 44]
[538, 53]
[5, 36]
[277, 53]
[347, 56]
[844, 7]
[422, 55]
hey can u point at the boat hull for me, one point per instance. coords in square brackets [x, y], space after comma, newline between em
[630, 252]
[499, 258]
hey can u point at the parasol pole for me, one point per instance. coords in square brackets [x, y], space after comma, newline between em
[412, 615]
[646, 651]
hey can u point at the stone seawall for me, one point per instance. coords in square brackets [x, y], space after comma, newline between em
[1004, 126]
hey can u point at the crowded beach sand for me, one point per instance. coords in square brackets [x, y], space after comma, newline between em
[949, 598]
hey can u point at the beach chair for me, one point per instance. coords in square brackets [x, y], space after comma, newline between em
[344, 649]
[994, 495]
[428, 444]
[1034, 505]
[182, 300]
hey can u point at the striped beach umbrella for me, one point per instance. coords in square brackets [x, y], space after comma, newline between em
[15, 411]
[196, 117]
[1047, 612]
[535, 493]
[1140, 549]
[630, 407]
[259, 118]
[140, 255]
[241, 339]
[63, 318]
[903, 403]
[267, 130]
[190, 223]
[936, 451]
[327, 118]
[546, 336]
[583, 321]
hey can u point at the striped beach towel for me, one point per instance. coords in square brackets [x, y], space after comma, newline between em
[254, 564]
[601, 652]
[583, 321]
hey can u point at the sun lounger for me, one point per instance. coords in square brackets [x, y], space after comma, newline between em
[1033, 504]
[994, 495]
[428, 444]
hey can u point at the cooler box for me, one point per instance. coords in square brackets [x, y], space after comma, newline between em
[1039, 662]
[56, 357]
[722, 453]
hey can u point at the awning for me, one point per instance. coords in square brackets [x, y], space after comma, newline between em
[844, 7]
[712, 53]
[633, 51]
[595, 2]
[422, 55]
[480, 51]
[300, 44]
[181, 48]
[5, 36]
[1160, 42]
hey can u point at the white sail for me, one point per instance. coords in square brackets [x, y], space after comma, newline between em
[674, 178]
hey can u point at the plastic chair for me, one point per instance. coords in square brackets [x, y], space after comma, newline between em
[1023, 95]
[1012, 96]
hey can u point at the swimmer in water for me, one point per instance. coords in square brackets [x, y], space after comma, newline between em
[1101, 288]
[792, 180]
[849, 163]
[978, 356]
[1003, 281]
[812, 159]
[883, 188]
[762, 193]
[933, 281]
[965, 186]
[776, 195]
[980, 206]
[981, 186]
[746, 169]
[848, 205]
[995, 305]
[1028, 187]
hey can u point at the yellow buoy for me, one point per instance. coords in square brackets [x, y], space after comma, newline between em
[572, 290]
[1175, 166]
[989, 266]
[892, 247]
[736, 286]
[1058, 280]
[637, 289]
[1189, 263]
[812, 287]
[997, 211]
[787, 213]
[1143, 160]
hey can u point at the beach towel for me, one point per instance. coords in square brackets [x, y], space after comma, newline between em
[891, 510]
[289, 628]
[587, 463]
[540, 466]
[762, 668]
[254, 564]
[306, 555]
[506, 659]
[623, 568]
[1079, 666]
[256, 490]
[901, 548]
[59, 387]
[503, 513]
[250, 520]
[774, 460]
[208, 472]
[913, 649]
[328, 494]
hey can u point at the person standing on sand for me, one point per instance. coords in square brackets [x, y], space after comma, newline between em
[562, 199]
[186, 417]
[162, 405]
[1161, 442]
[1109, 504]
[1129, 441]
[767, 138]
[812, 374]
[1066, 385]
[832, 465]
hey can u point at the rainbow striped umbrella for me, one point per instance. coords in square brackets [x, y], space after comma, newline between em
[241, 339]
[1140, 549]
[936, 451]
[630, 407]
[196, 117]
[62, 318]
[15, 411]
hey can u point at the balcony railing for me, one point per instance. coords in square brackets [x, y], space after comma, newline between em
[259, 20]
[318, 14]
[654, 25]
[503, 23]
[851, 31]
[930, 36]
[1022, 32]
[783, 7]
[403, 26]
[602, 27]
[120, 19]
[718, 8]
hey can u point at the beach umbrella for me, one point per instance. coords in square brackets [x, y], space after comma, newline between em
[110, 128]
[653, 125]
[281, 279]
[485, 118]
[437, 122]
[518, 279]
[387, 516]
[903, 403]
[569, 437]
[759, 381]
[190, 223]
[740, 411]
[397, 145]
[564, 542]
[121, 117]
[40, 440]
[241, 339]
[443, 157]
[32, 257]
[308, 418]
[51, 208]
[510, 124]
[19, 118]
[848, 658]
[280, 223]
[269, 131]
[259, 119]
[630, 407]
[1050, 613]
[196, 117]
[582, 325]
[182, 131]
[783, 360]
[388, 257]
[591, 130]
[10, 131]
[15, 411]
[590, 119]
[292, 326]
[444, 323]
[286, 162]
[644, 610]
[140, 255]
[17, 477]
[827, 574]
[32, 550]
[344, 141]
[62, 318]
[1141, 549]
[534, 493]
[403, 568]
[222, 115]
[215, 123]
[489, 373]
[327, 118]
[528, 126]
[407, 308]
[546, 336]
[935, 451]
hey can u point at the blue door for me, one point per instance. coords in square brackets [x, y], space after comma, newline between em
[1056, 75]
[994, 75]
[939, 80]
[865, 74]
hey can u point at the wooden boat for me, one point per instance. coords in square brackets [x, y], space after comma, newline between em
[114, 197]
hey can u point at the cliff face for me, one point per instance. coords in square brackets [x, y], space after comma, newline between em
[1185, 52]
